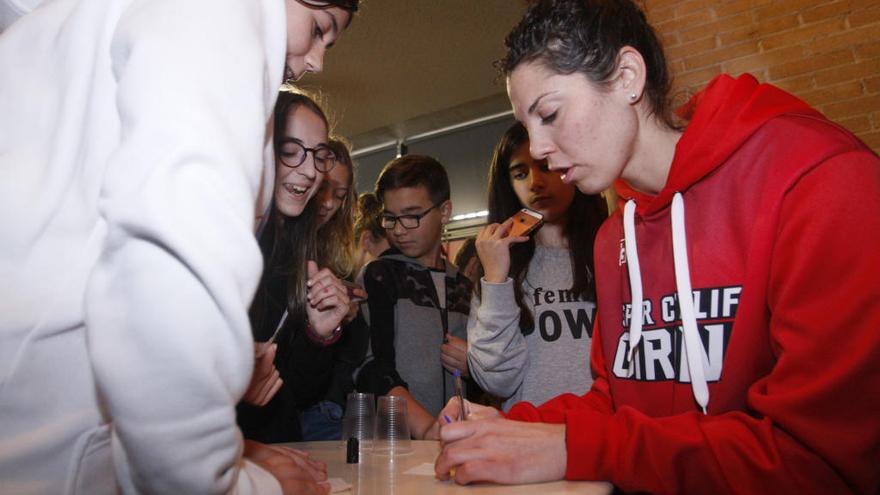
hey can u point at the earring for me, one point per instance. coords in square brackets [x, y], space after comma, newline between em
[633, 96]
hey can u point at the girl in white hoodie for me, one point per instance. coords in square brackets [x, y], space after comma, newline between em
[131, 137]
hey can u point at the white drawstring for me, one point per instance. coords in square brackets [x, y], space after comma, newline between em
[692, 345]
[635, 277]
[692, 351]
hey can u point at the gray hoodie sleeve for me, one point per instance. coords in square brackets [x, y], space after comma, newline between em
[497, 352]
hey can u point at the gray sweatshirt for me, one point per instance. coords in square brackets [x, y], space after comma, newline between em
[552, 359]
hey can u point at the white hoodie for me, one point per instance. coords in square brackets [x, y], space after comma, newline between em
[132, 135]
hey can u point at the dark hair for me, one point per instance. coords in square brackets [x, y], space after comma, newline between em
[337, 235]
[349, 5]
[464, 255]
[369, 211]
[289, 99]
[287, 243]
[586, 214]
[414, 171]
[585, 36]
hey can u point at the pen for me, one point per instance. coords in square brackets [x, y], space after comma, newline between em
[458, 391]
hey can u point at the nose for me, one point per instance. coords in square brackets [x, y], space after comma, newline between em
[540, 146]
[315, 59]
[398, 230]
[307, 168]
[536, 179]
[326, 198]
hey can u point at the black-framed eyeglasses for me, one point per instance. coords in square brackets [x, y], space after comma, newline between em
[408, 222]
[293, 154]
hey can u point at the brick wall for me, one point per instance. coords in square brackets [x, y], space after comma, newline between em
[826, 52]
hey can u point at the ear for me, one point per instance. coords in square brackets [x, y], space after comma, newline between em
[446, 212]
[631, 74]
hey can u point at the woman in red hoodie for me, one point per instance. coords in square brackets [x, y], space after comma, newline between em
[750, 362]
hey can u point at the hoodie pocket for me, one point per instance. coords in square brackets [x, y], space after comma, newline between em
[92, 464]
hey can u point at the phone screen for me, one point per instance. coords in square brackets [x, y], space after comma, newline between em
[525, 222]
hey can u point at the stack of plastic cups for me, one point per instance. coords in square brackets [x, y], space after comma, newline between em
[359, 420]
[392, 428]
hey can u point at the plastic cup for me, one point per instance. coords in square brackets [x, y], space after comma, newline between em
[392, 428]
[359, 419]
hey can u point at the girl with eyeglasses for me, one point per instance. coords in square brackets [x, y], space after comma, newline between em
[298, 309]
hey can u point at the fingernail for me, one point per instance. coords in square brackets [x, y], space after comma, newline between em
[447, 418]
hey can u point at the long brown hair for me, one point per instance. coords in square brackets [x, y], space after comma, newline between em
[337, 235]
[287, 243]
[585, 215]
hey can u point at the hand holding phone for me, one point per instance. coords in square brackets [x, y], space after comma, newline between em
[525, 222]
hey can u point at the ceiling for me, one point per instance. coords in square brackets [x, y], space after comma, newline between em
[405, 67]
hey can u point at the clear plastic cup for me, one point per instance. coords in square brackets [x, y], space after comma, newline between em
[392, 427]
[359, 419]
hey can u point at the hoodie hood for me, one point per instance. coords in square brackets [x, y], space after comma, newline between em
[722, 117]
[395, 254]
[716, 129]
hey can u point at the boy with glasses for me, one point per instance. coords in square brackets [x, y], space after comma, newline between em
[418, 301]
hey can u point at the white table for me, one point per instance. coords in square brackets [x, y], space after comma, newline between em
[384, 475]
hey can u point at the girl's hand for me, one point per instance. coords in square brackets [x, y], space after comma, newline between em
[493, 248]
[265, 382]
[328, 301]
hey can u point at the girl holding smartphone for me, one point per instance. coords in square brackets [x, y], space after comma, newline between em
[530, 325]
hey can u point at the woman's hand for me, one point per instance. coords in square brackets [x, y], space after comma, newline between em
[501, 451]
[265, 381]
[452, 410]
[328, 301]
[493, 248]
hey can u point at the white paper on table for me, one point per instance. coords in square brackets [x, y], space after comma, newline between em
[423, 469]
[338, 485]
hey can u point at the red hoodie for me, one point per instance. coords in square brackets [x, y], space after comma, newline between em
[781, 216]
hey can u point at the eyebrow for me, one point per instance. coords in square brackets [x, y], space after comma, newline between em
[538, 100]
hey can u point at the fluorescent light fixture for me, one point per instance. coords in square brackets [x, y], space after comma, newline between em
[473, 214]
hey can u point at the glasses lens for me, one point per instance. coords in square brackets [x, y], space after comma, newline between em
[409, 221]
[388, 221]
[292, 154]
[325, 159]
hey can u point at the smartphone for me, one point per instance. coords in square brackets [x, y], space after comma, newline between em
[350, 288]
[525, 222]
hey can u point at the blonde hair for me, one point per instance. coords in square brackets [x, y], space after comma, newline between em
[336, 237]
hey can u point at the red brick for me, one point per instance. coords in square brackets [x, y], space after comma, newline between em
[764, 60]
[872, 85]
[696, 78]
[868, 50]
[826, 11]
[778, 8]
[872, 139]
[870, 15]
[690, 6]
[804, 34]
[730, 7]
[851, 107]
[833, 94]
[694, 47]
[720, 55]
[696, 32]
[812, 63]
[797, 85]
[694, 19]
[849, 37]
[659, 15]
[847, 72]
[856, 124]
